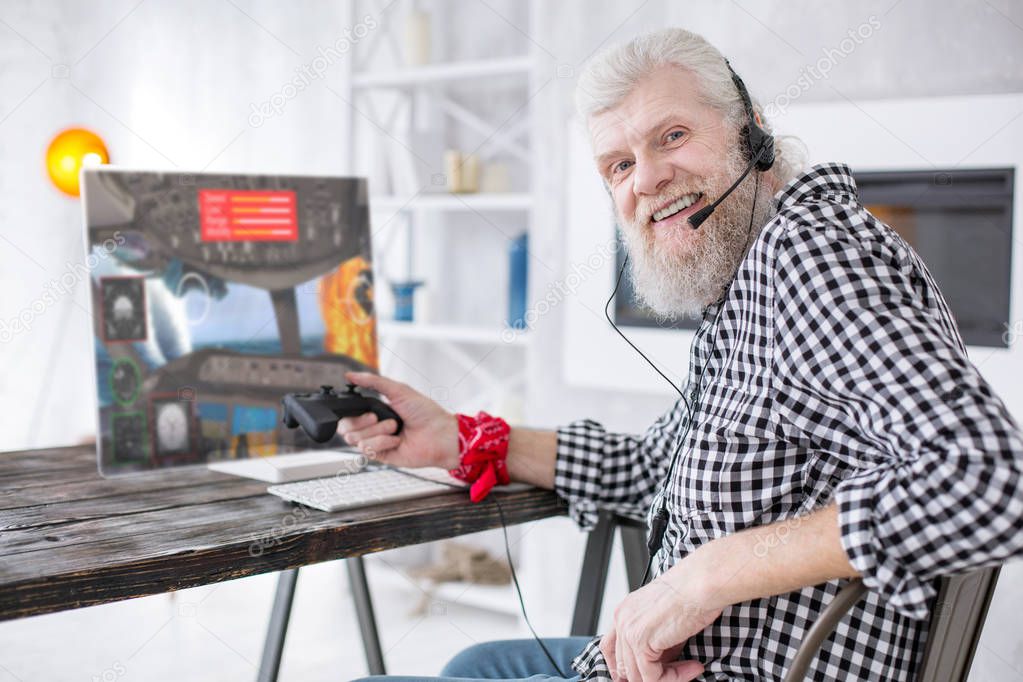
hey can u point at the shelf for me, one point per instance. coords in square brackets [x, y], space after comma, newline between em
[454, 333]
[437, 73]
[509, 201]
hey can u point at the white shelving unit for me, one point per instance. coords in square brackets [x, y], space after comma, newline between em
[437, 73]
[432, 89]
[453, 332]
[446, 201]
[425, 86]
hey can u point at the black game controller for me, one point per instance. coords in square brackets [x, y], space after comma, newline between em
[318, 413]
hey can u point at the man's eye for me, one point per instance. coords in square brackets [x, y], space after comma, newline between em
[675, 135]
[620, 166]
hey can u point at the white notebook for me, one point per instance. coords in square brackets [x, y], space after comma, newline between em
[297, 466]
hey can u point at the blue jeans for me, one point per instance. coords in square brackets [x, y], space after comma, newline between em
[509, 659]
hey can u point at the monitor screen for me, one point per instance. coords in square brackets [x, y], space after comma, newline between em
[213, 296]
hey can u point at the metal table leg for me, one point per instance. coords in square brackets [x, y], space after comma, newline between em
[364, 611]
[590, 595]
[273, 647]
[636, 553]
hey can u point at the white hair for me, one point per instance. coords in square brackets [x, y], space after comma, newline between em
[609, 76]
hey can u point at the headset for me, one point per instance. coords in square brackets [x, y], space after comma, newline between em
[757, 143]
[758, 146]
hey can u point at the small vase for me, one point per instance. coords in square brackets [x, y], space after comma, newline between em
[518, 271]
[404, 299]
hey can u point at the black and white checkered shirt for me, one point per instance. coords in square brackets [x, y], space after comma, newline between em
[830, 371]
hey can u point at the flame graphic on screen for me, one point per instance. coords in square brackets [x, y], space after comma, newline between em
[346, 303]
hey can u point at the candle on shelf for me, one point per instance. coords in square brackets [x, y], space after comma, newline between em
[417, 38]
[470, 180]
[453, 170]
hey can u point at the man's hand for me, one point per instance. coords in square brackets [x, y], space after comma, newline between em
[653, 623]
[429, 436]
[650, 627]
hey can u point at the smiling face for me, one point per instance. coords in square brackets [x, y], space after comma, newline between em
[664, 155]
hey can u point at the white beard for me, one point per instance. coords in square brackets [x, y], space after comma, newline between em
[675, 278]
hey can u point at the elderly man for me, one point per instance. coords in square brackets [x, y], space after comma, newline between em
[831, 427]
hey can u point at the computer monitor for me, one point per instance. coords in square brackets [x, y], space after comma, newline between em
[212, 296]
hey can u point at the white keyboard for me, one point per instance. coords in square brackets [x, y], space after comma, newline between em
[366, 488]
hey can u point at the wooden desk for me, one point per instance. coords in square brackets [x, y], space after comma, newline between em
[69, 538]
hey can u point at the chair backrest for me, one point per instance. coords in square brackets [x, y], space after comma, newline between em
[956, 623]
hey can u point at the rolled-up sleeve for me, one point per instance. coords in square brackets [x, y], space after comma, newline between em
[869, 370]
[596, 469]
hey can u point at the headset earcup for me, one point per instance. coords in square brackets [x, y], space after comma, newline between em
[767, 158]
[759, 139]
[756, 141]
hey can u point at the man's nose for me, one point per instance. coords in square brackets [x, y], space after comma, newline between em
[650, 176]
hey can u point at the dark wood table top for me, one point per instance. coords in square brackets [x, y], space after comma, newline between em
[69, 538]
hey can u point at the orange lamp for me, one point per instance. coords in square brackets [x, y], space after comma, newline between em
[68, 152]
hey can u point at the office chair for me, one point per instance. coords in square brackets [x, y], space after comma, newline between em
[956, 622]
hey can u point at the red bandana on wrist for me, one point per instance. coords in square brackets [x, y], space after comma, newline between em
[482, 453]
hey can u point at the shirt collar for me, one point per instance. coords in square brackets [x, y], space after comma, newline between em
[824, 178]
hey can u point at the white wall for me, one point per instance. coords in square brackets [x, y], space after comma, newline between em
[170, 84]
[167, 85]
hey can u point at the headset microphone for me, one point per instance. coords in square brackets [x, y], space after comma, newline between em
[700, 216]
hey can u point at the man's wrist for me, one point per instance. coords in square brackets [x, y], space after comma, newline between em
[532, 456]
[452, 456]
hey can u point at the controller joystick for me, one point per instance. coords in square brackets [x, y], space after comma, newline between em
[318, 413]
